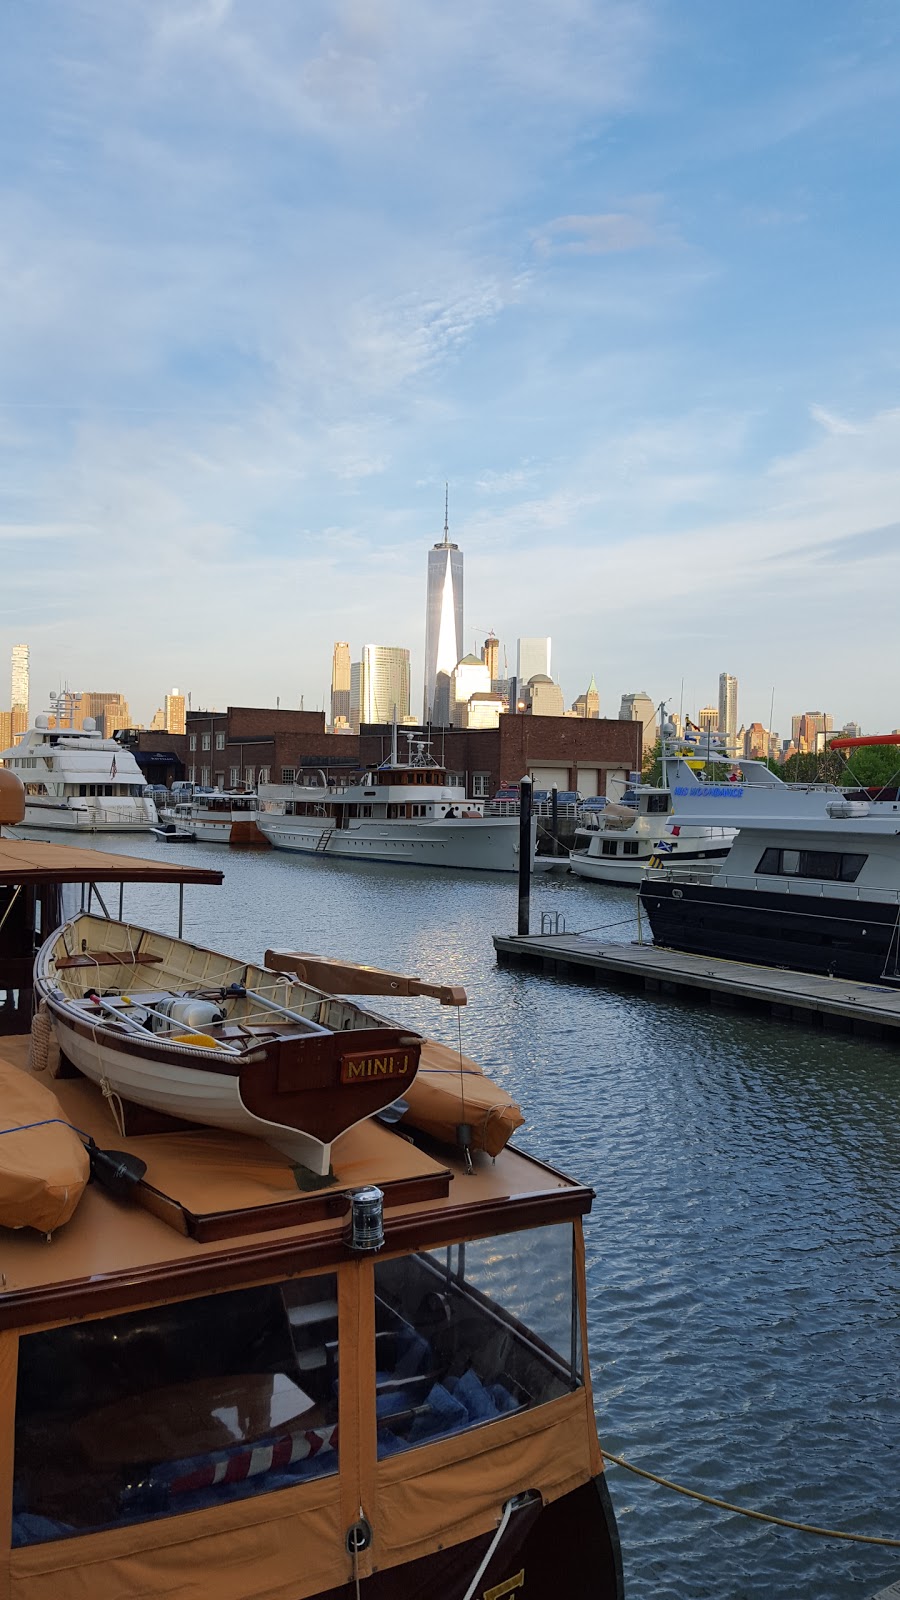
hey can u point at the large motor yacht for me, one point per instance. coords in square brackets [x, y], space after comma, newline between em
[405, 812]
[76, 779]
[812, 881]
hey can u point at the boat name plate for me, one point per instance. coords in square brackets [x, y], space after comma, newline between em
[368, 1066]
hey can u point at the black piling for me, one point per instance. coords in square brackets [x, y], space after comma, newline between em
[554, 817]
[525, 856]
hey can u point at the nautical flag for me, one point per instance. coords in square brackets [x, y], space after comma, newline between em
[664, 847]
[112, 770]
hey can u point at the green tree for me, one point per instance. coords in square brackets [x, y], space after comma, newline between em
[873, 766]
[651, 766]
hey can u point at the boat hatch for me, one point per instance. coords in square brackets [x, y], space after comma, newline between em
[192, 1405]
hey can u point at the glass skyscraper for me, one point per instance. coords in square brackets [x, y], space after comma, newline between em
[443, 624]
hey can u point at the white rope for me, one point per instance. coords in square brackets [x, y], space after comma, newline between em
[489, 1554]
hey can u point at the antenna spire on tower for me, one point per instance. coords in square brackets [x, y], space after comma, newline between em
[446, 513]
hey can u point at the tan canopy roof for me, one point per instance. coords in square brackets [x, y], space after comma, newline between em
[35, 861]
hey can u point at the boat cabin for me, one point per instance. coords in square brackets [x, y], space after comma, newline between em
[224, 1372]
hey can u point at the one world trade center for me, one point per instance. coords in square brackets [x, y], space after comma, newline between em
[443, 624]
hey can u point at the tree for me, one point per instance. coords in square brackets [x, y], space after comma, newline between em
[874, 766]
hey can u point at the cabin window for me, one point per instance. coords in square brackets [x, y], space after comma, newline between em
[175, 1409]
[658, 803]
[834, 866]
[220, 741]
[472, 1333]
[629, 847]
[610, 847]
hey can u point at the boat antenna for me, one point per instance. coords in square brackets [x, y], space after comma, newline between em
[394, 761]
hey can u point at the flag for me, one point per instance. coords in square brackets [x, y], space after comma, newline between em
[112, 770]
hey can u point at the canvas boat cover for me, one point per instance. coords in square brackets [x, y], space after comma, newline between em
[44, 1165]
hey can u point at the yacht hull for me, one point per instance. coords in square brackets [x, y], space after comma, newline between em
[839, 937]
[629, 871]
[69, 820]
[491, 845]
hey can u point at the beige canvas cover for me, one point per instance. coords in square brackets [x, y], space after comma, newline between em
[44, 1166]
[450, 1089]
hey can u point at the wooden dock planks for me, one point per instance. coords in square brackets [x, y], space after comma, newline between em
[790, 996]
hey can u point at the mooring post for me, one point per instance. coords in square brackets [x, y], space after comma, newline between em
[525, 855]
[554, 817]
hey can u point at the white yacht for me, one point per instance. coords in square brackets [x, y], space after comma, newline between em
[619, 843]
[403, 812]
[77, 780]
[812, 882]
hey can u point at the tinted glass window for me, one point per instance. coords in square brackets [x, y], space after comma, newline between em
[610, 847]
[819, 864]
[851, 867]
[473, 1333]
[790, 862]
[770, 861]
[658, 802]
[175, 1408]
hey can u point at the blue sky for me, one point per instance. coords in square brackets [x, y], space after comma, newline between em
[625, 273]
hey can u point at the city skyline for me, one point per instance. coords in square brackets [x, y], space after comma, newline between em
[628, 285]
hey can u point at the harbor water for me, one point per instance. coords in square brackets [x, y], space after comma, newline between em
[742, 1249]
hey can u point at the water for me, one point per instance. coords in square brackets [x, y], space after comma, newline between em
[742, 1250]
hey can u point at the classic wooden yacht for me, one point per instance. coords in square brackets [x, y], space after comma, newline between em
[76, 779]
[404, 812]
[220, 1375]
[812, 881]
[214, 816]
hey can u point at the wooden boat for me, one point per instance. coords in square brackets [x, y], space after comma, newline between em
[188, 1033]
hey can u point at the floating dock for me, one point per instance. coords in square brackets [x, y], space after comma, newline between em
[806, 997]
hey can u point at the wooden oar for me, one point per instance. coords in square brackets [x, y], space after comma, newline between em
[350, 977]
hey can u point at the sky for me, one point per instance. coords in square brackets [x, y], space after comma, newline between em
[622, 272]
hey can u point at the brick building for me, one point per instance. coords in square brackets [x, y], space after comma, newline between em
[248, 745]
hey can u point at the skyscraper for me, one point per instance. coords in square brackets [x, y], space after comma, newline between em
[174, 712]
[532, 659]
[383, 683]
[19, 679]
[490, 655]
[588, 704]
[340, 684]
[443, 615]
[640, 708]
[728, 723]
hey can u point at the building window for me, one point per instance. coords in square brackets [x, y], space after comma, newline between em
[234, 777]
[220, 780]
[192, 774]
[220, 741]
[204, 777]
[456, 780]
[264, 774]
[287, 774]
[481, 785]
[249, 776]
[205, 740]
[193, 741]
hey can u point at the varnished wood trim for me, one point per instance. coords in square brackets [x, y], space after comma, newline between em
[277, 1258]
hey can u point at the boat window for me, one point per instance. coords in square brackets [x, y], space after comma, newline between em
[824, 865]
[629, 847]
[175, 1408]
[610, 847]
[658, 803]
[473, 1333]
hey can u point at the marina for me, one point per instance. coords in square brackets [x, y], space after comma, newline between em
[740, 1265]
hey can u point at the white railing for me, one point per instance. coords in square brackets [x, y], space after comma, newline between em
[702, 872]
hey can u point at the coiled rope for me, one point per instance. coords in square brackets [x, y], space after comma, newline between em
[744, 1511]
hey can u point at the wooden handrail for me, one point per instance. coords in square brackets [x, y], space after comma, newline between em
[351, 977]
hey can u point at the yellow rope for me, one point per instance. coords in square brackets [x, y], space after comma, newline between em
[742, 1511]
